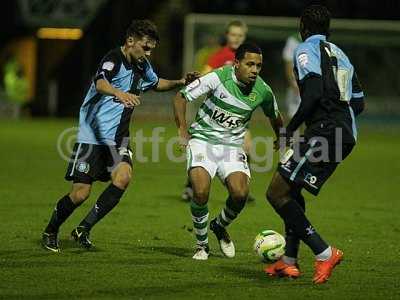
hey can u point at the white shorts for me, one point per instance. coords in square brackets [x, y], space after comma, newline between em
[216, 159]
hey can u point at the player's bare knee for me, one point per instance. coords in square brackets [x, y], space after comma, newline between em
[239, 195]
[122, 179]
[122, 176]
[238, 186]
[79, 194]
[200, 196]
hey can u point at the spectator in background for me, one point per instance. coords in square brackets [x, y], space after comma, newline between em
[16, 87]
[235, 35]
[210, 46]
[15, 82]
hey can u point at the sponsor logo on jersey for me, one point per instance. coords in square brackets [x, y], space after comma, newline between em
[108, 65]
[193, 85]
[303, 59]
[226, 119]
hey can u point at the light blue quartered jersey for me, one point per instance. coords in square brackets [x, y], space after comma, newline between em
[320, 58]
[102, 119]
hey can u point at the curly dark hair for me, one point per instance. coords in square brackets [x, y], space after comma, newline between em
[142, 28]
[316, 20]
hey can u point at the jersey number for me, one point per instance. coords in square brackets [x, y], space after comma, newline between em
[342, 77]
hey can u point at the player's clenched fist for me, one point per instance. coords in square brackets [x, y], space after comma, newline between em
[127, 99]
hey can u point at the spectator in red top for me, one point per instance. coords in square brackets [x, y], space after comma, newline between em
[235, 35]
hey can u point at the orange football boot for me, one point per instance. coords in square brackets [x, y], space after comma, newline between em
[282, 269]
[323, 269]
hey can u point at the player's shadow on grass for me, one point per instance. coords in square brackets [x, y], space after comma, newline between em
[23, 254]
[69, 244]
[174, 251]
[257, 276]
[172, 197]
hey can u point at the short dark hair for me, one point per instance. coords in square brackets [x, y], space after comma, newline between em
[316, 20]
[247, 47]
[142, 28]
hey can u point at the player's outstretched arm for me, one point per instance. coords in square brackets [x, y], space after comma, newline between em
[180, 118]
[105, 88]
[127, 99]
[167, 85]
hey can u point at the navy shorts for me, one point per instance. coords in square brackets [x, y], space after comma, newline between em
[304, 165]
[91, 162]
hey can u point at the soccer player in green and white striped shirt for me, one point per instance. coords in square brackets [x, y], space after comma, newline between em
[214, 141]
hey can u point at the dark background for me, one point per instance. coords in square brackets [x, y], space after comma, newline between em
[72, 63]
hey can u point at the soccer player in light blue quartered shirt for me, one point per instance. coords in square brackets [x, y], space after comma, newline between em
[102, 119]
[331, 98]
[339, 82]
[102, 149]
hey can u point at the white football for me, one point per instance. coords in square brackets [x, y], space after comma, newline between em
[269, 245]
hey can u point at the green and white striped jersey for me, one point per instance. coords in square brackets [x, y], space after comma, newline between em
[224, 115]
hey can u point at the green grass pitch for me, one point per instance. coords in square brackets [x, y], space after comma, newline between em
[144, 247]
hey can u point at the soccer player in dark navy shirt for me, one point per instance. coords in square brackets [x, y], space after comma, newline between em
[331, 97]
[102, 149]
